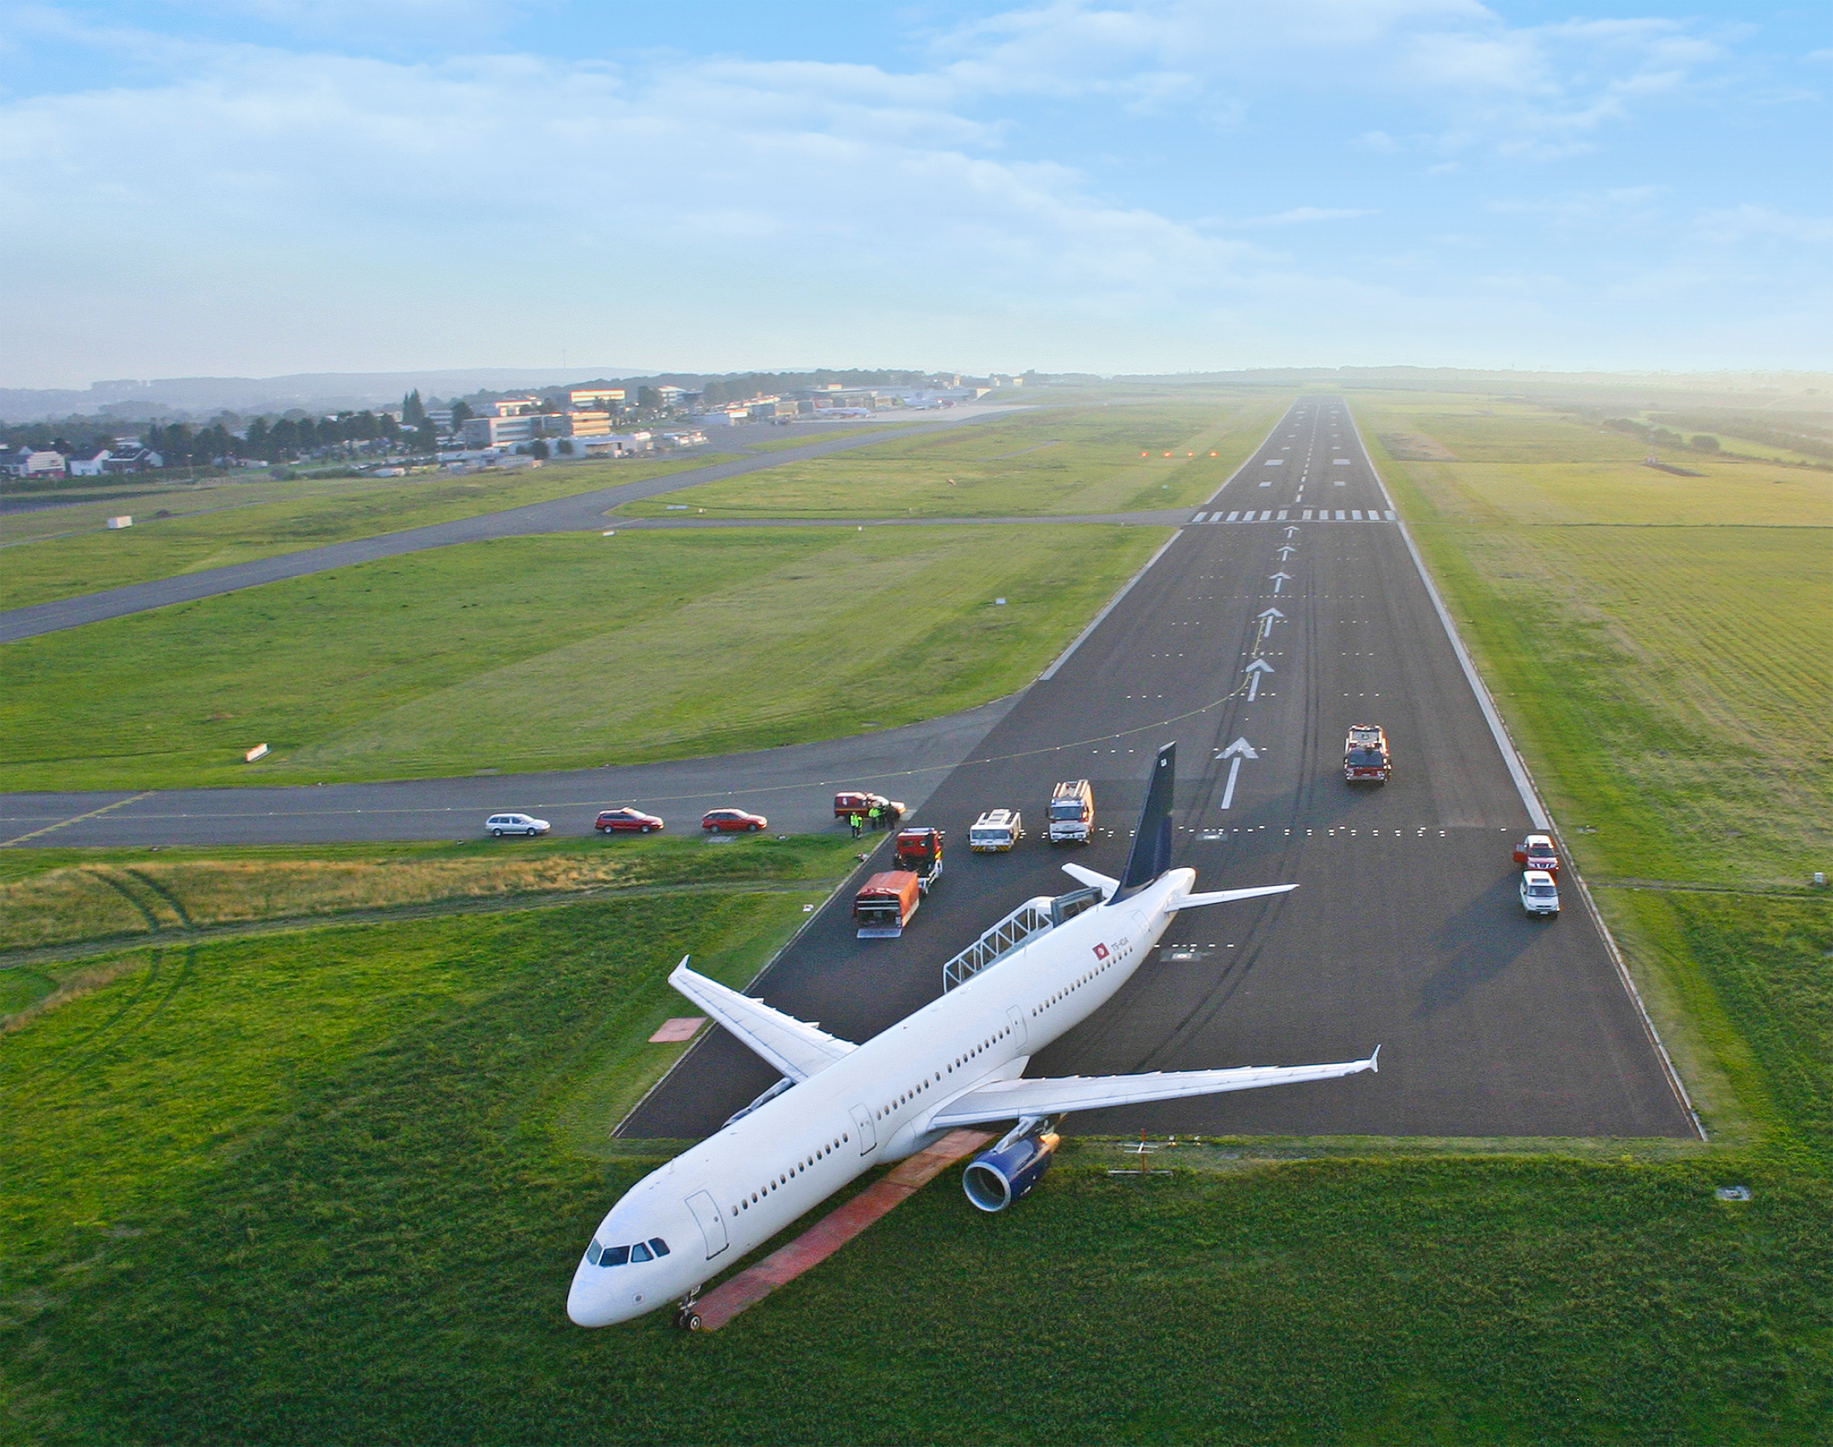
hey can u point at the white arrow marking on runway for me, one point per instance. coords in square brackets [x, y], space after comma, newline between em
[1254, 670]
[1266, 620]
[1290, 531]
[1279, 580]
[1237, 751]
[1285, 551]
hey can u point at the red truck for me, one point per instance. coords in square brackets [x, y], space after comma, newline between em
[920, 852]
[885, 903]
[1537, 851]
[1366, 759]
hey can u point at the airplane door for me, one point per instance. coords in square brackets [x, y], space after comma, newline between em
[712, 1224]
[862, 1122]
[1017, 1017]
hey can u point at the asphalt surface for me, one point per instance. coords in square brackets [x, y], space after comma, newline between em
[1406, 932]
[793, 787]
[568, 514]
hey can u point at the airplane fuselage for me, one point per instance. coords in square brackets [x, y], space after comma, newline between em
[744, 1184]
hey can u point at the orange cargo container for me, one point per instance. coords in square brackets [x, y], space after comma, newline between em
[884, 905]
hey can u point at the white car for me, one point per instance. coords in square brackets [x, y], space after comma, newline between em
[501, 824]
[1539, 894]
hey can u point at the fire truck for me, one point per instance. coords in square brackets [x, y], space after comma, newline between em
[1366, 759]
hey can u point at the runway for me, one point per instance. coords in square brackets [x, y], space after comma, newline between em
[1291, 609]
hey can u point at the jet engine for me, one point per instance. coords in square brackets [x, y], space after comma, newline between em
[996, 1178]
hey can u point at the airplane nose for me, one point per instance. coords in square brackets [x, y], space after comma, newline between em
[604, 1298]
[591, 1301]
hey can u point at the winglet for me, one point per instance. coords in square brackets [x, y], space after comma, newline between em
[1374, 1061]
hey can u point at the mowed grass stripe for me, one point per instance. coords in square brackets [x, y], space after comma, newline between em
[556, 651]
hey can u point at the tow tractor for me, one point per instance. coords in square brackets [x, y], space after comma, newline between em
[920, 852]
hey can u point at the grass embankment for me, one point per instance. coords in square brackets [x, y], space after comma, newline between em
[237, 521]
[556, 652]
[53, 897]
[1055, 460]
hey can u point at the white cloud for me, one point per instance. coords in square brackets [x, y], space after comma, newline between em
[1762, 223]
[1530, 91]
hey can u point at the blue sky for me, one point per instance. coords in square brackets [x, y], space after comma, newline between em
[252, 187]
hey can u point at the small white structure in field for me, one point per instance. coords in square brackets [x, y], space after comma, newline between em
[124, 521]
[258, 751]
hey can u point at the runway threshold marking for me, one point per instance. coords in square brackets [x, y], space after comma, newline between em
[834, 1230]
[78, 819]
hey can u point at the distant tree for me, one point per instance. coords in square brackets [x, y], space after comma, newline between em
[259, 441]
[283, 440]
[461, 412]
[648, 397]
[564, 447]
[538, 448]
[1704, 442]
[308, 434]
[426, 437]
[413, 410]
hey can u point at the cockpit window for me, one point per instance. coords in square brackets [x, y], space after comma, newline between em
[640, 1252]
[615, 1256]
[658, 1245]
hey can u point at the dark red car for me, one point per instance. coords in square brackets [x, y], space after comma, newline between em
[733, 821]
[626, 820]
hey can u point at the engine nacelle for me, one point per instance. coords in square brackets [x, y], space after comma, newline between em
[995, 1179]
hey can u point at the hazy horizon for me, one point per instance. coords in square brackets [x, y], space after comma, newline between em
[237, 188]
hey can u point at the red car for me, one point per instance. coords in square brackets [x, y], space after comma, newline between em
[626, 820]
[733, 821]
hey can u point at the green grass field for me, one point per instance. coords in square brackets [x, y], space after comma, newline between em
[556, 652]
[329, 1186]
[1659, 644]
[1078, 459]
[259, 518]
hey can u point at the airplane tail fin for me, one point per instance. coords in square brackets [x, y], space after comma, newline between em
[1151, 854]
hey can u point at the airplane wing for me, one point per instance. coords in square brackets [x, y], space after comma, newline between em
[795, 1047]
[1012, 1099]
[1226, 896]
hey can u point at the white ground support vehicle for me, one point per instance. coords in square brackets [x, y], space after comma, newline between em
[1539, 894]
[501, 824]
[1072, 813]
[996, 831]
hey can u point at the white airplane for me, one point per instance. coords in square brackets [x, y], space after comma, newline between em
[842, 1109]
